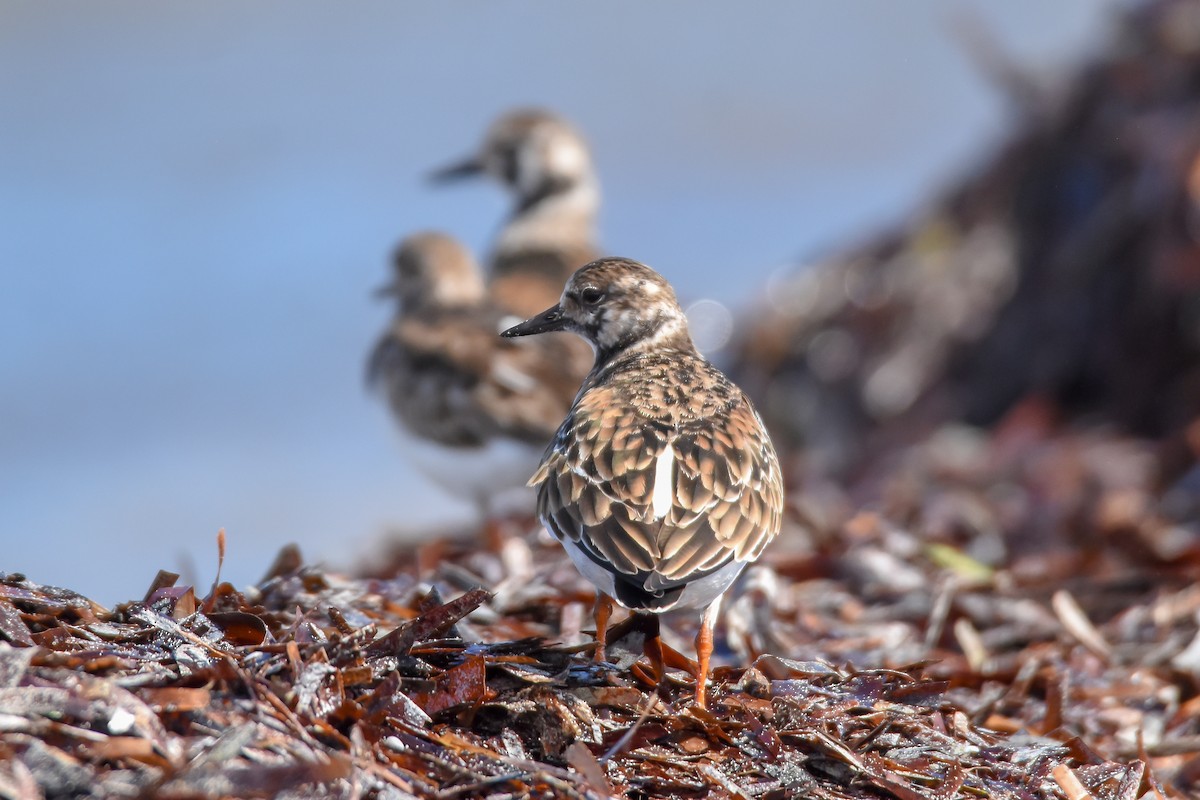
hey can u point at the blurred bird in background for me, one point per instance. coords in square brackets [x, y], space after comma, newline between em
[476, 411]
[546, 165]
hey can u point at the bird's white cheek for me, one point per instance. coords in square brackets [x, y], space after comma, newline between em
[613, 327]
[565, 157]
[609, 332]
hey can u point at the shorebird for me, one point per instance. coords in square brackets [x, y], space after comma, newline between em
[661, 483]
[475, 410]
[546, 165]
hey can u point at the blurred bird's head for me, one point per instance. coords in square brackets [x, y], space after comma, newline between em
[617, 304]
[433, 270]
[535, 153]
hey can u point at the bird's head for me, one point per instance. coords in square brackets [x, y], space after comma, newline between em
[433, 270]
[618, 305]
[535, 153]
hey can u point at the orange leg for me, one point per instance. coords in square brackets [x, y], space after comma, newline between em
[494, 534]
[601, 611]
[653, 647]
[704, 648]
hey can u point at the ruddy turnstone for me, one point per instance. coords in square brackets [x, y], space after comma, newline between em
[546, 165]
[476, 416]
[661, 482]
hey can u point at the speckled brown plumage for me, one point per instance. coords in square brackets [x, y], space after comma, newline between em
[661, 482]
[598, 480]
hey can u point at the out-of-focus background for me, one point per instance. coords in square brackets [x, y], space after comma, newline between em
[197, 200]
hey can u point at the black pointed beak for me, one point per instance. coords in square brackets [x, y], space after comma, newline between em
[387, 290]
[551, 319]
[456, 172]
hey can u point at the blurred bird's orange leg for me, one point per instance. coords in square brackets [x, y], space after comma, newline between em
[653, 648]
[601, 611]
[493, 527]
[494, 535]
[704, 648]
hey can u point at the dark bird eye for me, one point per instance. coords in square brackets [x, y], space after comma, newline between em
[591, 295]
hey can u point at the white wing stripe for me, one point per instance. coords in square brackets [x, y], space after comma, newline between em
[664, 483]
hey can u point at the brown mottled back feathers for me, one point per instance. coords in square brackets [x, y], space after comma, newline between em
[598, 479]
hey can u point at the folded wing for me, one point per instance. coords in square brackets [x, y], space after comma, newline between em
[673, 501]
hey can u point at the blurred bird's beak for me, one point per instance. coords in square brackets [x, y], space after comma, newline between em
[455, 172]
[387, 290]
[551, 319]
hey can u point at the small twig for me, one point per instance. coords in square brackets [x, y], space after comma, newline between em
[939, 613]
[581, 759]
[714, 775]
[971, 643]
[620, 744]
[1066, 779]
[1078, 625]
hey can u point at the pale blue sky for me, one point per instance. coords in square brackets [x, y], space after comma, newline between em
[198, 197]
